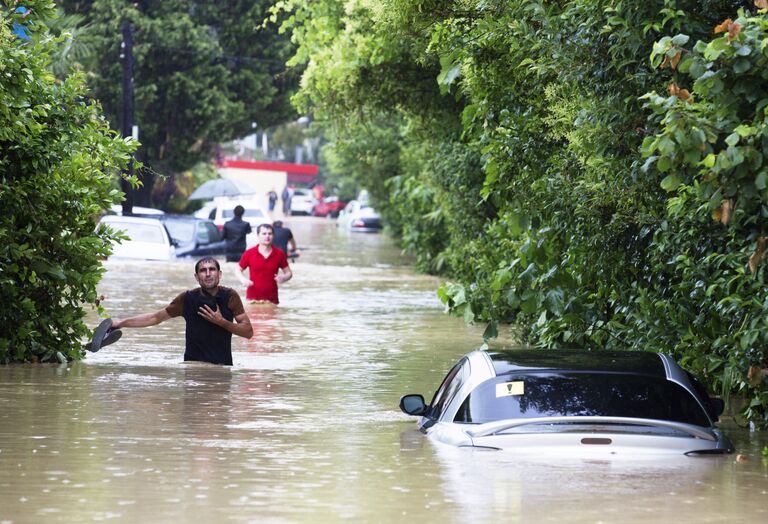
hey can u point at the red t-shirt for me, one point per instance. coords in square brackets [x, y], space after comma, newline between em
[262, 273]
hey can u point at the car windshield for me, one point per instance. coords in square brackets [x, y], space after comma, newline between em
[518, 396]
[181, 230]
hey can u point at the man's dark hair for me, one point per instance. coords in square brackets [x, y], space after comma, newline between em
[277, 223]
[207, 259]
[239, 210]
[263, 226]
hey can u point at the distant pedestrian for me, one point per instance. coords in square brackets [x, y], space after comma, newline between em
[282, 237]
[317, 191]
[286, 196]
[272, 196]
[234, 233]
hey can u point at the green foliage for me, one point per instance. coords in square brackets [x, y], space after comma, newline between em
[710, 144]
[204, 72]
[58, 164]
[520, 161]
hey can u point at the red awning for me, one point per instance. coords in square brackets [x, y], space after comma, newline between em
[287, 167]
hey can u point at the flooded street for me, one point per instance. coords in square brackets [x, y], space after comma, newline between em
[305, 426]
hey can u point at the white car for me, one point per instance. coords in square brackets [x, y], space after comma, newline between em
[361, 217]
[117, 209]
[147, 238]
[302, 202]
[222, 209]
[601, 403]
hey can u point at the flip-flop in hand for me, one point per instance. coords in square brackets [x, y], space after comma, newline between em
[104, 335]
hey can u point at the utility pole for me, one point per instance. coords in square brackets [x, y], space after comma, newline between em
[126, 57]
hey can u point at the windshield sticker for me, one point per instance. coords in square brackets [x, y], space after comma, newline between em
[507, 389]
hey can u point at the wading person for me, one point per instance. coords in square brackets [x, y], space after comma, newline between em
[272, 199]
[282, 237]
[286, 196]
[234, 233]
[263, 262]
[213, 313]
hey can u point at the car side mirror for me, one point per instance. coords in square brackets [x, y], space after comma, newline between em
[413, 405]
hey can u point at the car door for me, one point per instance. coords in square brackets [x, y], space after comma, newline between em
[208, 239]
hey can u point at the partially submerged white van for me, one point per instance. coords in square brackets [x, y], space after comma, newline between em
[221, 209]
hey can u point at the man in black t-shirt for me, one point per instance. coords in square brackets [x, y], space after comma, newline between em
[282, 237]
[213, 313]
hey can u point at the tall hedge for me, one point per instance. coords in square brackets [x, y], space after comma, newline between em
[565, 183]
[58, 166]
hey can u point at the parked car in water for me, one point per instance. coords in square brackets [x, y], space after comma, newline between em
[600, 402]
[357, 216]
[328, 207]
[302, 201]
[194, 237]
[148, 238]
[222, 209]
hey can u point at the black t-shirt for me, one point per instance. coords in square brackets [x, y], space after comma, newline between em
[207, 342]
[280, 238]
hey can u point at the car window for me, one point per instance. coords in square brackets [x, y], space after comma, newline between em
[212, 214]
[151, 233]
[449, 387]
[214, 235]
[181, 230]
[580, 394]
[202, 236]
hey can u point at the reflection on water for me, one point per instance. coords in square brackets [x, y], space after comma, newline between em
[305, 427]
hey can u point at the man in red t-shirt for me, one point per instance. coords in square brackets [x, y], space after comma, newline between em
[263, 262]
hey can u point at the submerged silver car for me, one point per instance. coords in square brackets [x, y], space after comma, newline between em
[600, 402]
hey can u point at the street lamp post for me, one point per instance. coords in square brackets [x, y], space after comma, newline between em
[128, 129]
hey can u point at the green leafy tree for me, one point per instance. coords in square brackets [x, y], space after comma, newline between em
[514, 165]
[710, 149]
[58, 165]
[204, 72]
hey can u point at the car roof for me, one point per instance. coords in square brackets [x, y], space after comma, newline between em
[167, 216]
[235, 199]
[522, 360]
[132, 219]
[118, 210]
[191, 218]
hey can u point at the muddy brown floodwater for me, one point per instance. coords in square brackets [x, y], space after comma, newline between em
[305, 426]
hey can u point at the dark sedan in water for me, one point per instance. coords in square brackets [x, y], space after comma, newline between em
[192, 236]
[582, 402]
